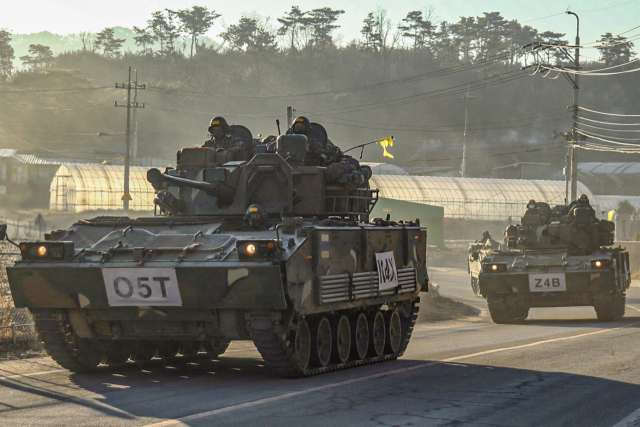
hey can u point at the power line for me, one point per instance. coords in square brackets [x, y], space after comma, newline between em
[590, 133]
[494, 59]
[608, 123]
[483, 156]
[42, 107]
[87, 89]
[440, 93]
[554, 113]
[606, 140]
[609, 114]
[609, 129]
[206, 113]
[453, 129]
[593, 72]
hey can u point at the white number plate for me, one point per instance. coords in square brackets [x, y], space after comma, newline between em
[551, 282]
[141, 287]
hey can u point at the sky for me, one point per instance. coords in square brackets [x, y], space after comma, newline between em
[72, 16]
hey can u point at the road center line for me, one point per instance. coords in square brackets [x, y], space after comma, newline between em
[32, 374]
[293, 394]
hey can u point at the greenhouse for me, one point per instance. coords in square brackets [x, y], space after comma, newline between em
[473, 198]
[610, 203]
[78, 188]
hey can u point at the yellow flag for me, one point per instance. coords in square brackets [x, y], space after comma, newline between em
[386, 142]
[610, 215]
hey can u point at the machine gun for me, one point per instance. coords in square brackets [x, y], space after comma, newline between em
[205, 182]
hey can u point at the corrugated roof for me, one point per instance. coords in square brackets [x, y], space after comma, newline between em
[473, 198]
[33, 160]
[7, 152]
[609, 167]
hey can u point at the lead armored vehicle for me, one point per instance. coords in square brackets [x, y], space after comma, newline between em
[555, 258]
[264, 250]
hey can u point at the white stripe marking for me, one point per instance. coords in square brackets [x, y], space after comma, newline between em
[286, 396]
[631, 420]
[33, 374]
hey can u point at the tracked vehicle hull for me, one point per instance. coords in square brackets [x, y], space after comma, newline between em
[161, 287]
[551, 278]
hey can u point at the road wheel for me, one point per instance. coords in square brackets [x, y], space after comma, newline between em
[143, 352]
[503, 313]
[119, 353]
[215, 348]
[168, 349]
[474, 286]
[322, 342]
[394, 328]
[609, 306]
[343, 339]
[361, 336]
[302, 344]
[90, 355]
[378, 335]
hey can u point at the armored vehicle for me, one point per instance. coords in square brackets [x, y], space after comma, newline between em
[264, 250]
[555, 258]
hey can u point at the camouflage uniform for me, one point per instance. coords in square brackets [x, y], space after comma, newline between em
[229, 142]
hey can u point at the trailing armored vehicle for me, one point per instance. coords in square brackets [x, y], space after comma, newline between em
[264, 250]
[555, 258]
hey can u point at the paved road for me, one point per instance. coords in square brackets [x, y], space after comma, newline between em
[561, 368]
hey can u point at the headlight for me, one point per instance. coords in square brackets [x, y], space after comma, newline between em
[599, 263]
[494, 267]
[46, 250]
[255, 249]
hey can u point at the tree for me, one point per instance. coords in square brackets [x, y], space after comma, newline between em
[164, 29]
[87, 40]
[6, 55]
[322, 22]
[292, 23]
[144, 39]
[615, 50]
[378, 39]
[556, 39]
[110, 46]
[39, 58]
[492, 29]
[251, 34]
[445, 45]
[464, 34]
[625, 207]
[417, 28]
[195, 22]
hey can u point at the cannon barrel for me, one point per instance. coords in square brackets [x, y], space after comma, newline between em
[157, 178]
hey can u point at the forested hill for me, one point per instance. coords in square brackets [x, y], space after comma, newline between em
[408, 79]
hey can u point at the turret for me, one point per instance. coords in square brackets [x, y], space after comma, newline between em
[573, 227]
[277, 177]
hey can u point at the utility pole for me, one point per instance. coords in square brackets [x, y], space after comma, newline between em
[574, 126]
[126, 197]
[134, 151]
[463, 168]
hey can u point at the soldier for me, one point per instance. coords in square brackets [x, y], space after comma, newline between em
[583, 202]
[325, 154]
[222, 139]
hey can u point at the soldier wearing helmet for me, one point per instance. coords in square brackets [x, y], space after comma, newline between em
[323, 154]
[221, 139]
[583, 202]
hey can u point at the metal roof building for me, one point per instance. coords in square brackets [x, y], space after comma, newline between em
[609, 167]
[473, 198]
[78, 188]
